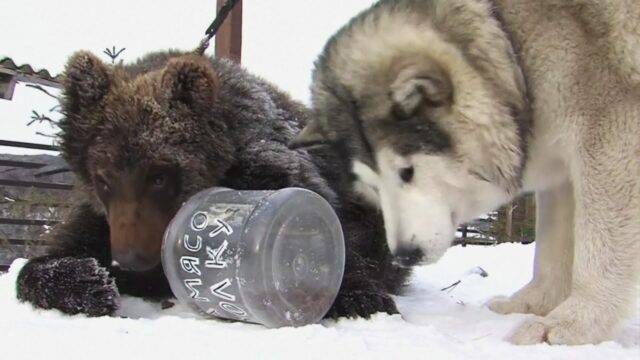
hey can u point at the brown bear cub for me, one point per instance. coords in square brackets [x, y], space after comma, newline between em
[144, 137]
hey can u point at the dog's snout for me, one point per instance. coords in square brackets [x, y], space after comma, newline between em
[408, 256]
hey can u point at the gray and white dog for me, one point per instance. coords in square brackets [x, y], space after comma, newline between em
[449, 108]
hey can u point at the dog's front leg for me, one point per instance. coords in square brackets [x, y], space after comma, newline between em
[551, 280]
[606, 266]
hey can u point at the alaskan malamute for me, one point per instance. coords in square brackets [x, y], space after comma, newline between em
[450, 108]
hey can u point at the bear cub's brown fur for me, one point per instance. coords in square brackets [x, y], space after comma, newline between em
[144, 137]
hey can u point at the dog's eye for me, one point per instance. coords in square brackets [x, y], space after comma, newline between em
[479, 176]
[398, 114]
[406, 174]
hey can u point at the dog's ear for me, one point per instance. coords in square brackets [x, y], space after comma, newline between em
[86, 81]
[190, 80]
[311, 135]
[420, 85]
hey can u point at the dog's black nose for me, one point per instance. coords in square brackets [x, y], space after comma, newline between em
[407, 256]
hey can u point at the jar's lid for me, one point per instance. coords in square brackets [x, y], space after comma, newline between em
[301, 256]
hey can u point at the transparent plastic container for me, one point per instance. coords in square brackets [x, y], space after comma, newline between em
[269, 257]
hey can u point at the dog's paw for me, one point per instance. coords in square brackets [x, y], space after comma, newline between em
[70, 285]
[361, 303]
[521, 305]
[573, 322]
[532, 331]
[553, 331]
[531, 299]
[504, 305]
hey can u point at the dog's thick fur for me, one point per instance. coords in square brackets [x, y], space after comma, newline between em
[142, 138]
[450, 108]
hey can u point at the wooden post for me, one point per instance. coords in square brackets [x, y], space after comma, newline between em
[465, 229]
[7, 85]
[229, 36]
[508, 226]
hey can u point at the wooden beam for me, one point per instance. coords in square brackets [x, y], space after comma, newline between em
[35, 184]
[229, 36]
[32, 242]
[28, 222]
[52, 172]
[27, 145]
[7, 85]
[34, 79]
[21, 164]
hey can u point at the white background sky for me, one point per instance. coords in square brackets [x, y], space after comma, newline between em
[281, 39]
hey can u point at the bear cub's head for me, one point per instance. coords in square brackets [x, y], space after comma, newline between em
[141, 143]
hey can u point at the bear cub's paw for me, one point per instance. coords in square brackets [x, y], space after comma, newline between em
[71, 285]
[362, 303]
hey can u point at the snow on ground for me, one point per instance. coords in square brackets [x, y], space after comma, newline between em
[450, 324]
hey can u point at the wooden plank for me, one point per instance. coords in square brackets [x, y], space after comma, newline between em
[473, 241]
[229, 36]
[35, 184]
[27, 145]
[21, 164]
[29, 222]
[35, 79]
[52, 172]
[7, 85]
[30, 242]
[9, 253]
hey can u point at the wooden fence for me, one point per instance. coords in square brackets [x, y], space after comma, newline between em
[28, 238]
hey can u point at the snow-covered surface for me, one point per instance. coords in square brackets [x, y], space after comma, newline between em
[436, 324]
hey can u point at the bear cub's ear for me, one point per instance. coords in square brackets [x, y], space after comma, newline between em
[87, 80]
[190, 80]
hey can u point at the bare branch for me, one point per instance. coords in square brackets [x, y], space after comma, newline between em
[40, 118]
[38, 87]
[451, 286]
[113, 54]
[47, 135]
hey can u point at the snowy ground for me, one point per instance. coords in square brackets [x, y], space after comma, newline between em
[451, 324]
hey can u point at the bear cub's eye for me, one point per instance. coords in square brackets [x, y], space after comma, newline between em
[158, 180]
[163, 180]
[102, 185]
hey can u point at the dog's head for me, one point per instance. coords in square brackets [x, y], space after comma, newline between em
[430, 130]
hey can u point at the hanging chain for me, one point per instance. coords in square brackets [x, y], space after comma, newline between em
[215, 25]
